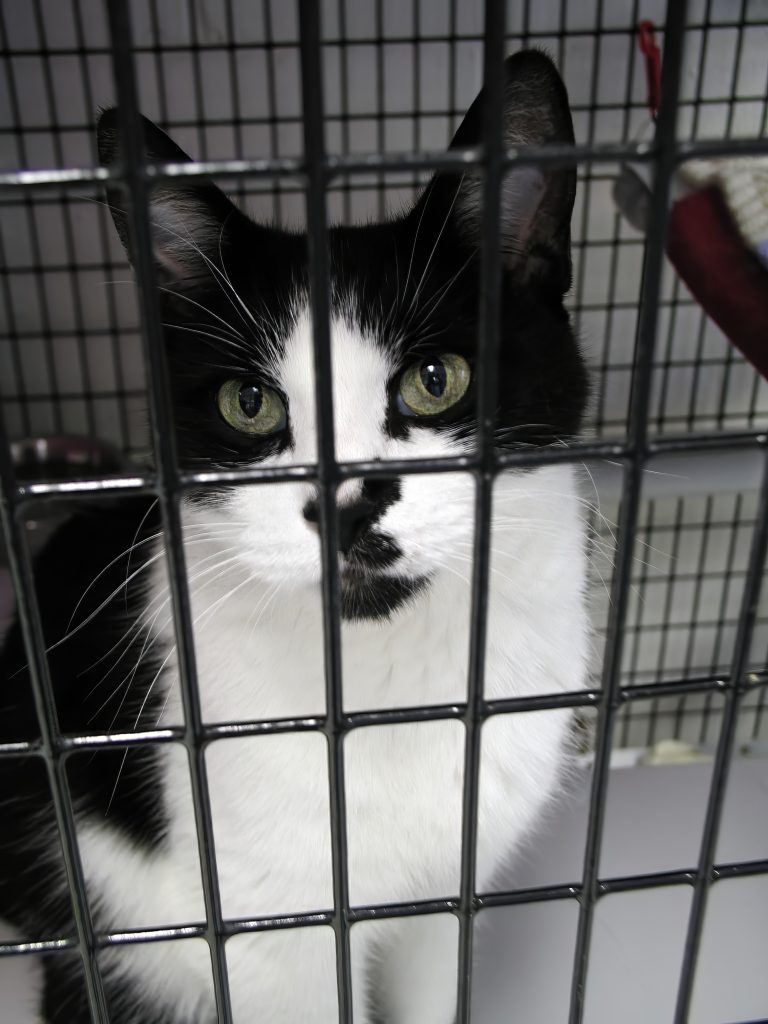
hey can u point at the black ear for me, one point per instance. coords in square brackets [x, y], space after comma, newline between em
[536, 202]
[191, 220]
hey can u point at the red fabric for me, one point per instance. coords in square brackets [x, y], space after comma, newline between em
[722, 273]
[646, 38]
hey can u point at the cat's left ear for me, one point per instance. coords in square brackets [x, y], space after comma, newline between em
[192, 220]
[536, 202]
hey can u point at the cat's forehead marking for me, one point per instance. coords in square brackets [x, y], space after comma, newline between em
[361, 370]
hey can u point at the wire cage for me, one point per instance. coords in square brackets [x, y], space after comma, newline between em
[338, 112]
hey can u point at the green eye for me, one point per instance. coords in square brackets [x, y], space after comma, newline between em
[433, 385]
[250, 407]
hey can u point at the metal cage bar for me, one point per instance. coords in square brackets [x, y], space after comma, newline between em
[50, 737]
[488, 348]
[163, 438]
[455, 160]
[705, 873]
[313, 173]
[394, 716]
[312, 96]
[631, 490]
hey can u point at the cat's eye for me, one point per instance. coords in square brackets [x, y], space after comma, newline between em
[433, 385]
[251, 407]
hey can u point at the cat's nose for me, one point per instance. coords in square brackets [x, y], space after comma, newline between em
[353, 519]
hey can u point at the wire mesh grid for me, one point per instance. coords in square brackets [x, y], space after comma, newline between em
[669, 378]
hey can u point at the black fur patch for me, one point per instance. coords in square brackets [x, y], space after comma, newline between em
[366, 595]
[100, 683]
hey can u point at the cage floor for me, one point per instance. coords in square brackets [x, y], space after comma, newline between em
[653, 823]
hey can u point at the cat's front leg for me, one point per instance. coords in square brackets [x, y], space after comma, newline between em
[418, 970]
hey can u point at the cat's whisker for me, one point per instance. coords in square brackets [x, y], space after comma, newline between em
[602, 580]
[226, 597]
[114, 788]
[428, 313]
[222, 333]
[128, 678]
[414, 301]
[84, 622]
[527, 528]
[95, 580]
[186, 298]
[585, 503]
[395, 305]
[130, 550]
[146, 624]
[269, 320]
[143, 703]
[135, 726]
[427, 195]
[184, 240]
[71, 632]
[163, 709]
[218, 275]
[206, 334]
[171, 651]
[272, 595]
[232, 340]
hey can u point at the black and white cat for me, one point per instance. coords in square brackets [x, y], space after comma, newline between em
[404, 309]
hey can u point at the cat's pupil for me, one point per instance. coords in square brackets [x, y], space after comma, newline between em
[433, 377]
[250, 399]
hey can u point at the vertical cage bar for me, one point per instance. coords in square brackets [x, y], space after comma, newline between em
[45, 707]
[630, 503]
[724, 755]
[319, 277]
[688, 666]
[671, 587]
[719, 658]
[163, 437]
[488, 347]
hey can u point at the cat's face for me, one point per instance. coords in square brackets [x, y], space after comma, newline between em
[405, 299]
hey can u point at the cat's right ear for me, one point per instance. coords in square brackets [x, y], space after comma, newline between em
[191, 220]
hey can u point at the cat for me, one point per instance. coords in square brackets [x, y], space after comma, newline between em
[404, 317]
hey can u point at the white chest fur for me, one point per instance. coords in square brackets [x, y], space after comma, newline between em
[261, 657]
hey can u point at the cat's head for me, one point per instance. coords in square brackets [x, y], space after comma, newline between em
[404, 322]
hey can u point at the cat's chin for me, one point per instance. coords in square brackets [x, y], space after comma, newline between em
[367, 595]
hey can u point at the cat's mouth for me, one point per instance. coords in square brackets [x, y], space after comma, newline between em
[370, 587]
[373, 594]
[373, 551]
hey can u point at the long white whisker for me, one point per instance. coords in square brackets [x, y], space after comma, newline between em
[414, 301]
[416, 238]
[230, 342]
[146, 621]
[130, 552]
